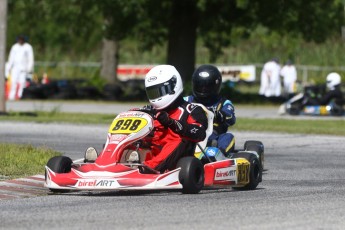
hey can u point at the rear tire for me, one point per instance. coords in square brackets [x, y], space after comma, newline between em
[191, 175]
[337, 110]
[255, 170]
[60, 164]
[258, 147]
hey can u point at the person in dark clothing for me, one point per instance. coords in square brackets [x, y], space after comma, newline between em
[207, 81]
[179, 125]
[333, 95]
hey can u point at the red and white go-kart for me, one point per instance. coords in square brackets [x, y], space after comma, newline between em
[119, 165]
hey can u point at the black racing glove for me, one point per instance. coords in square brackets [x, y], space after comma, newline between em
[220, 116]
[166, 121]
[148, 109]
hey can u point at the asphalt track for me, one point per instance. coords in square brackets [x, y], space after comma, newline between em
[303, 188]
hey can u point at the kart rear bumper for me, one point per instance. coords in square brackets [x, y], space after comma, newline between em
[233, 172]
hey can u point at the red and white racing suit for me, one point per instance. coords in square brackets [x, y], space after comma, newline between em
[171, 143]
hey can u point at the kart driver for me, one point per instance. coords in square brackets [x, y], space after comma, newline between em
[178, 124]
[334, 93]
[206, 84]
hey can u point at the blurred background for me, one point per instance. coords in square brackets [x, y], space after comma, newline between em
[91, 49]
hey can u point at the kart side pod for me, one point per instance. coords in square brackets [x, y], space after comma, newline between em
[243, 171]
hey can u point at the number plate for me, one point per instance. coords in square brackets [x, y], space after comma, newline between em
[127, 125]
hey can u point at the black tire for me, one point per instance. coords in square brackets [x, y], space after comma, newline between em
[112, 92]
[66, 92]
[294, 111]
[255, 170]
[258, 147]
[191, 175]
[60, 164]
[337, 110]
[295, 108]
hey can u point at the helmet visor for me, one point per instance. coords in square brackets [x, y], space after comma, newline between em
[160, 90]
[205, 88]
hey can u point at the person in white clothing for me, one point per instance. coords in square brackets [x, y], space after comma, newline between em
[289, 74]
[270, 79]
[21, 63]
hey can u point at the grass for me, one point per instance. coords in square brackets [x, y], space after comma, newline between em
[23, 160]
[324, 127]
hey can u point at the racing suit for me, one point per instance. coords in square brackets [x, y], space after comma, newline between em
[270, 80]
[21, 63]
[224, 117]
[334, 95]
[177, 138]
[289, 74]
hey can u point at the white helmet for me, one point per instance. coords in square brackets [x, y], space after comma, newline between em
[333, 79]
[163, 86]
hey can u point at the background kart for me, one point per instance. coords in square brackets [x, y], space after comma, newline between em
[119, 165]
[295, 105]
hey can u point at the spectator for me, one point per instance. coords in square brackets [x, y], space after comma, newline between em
[289, 74]
[21, 63]
[270, 79]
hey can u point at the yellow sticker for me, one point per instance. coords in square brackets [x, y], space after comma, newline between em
[242, 171]
[323, 110]
[198, 155]
[127, 125]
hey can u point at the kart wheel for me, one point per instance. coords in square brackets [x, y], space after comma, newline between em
[191, 175]
[337, 110]
[255, 170]
[294, 111]
[60, 164]
[258, 147]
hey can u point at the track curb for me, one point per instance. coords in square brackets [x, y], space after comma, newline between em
[31, 186]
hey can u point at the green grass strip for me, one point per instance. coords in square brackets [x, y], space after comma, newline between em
[23, 160]
[319, 126]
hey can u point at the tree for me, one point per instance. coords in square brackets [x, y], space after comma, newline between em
[3, 31]
[54, 26]
[119, 18]
[213, 22]
[81, 24]
[315, 20]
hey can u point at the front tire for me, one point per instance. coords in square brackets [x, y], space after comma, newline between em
[255, 170]
[295, 109]
[191, 175]
[60, 164]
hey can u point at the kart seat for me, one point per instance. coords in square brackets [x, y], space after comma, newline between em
[210, 116]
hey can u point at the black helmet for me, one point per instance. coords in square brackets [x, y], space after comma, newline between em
[206, 81]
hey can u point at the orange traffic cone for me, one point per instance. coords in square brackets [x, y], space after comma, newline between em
[8, 86]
